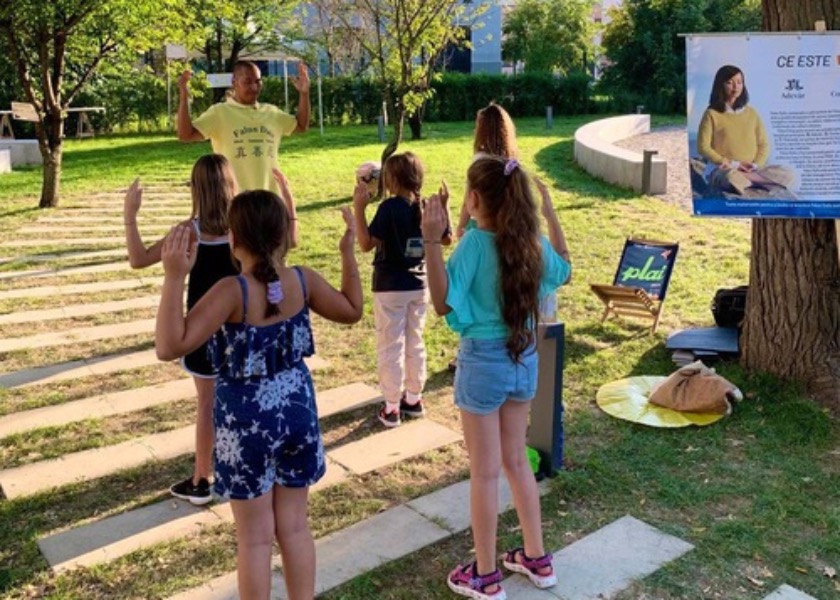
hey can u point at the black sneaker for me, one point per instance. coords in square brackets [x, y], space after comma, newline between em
[196, 494]
[412, 411]
[389, 419]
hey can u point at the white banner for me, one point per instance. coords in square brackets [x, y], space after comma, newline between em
[176, 52]
[764, 124]
[217, 80]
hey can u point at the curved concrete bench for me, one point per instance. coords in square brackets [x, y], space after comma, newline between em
[595, 152]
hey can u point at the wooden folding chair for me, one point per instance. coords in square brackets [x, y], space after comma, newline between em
[641, 281]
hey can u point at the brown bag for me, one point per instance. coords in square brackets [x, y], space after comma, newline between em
[696, 388]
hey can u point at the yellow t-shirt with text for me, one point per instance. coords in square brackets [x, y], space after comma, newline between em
[249, 137]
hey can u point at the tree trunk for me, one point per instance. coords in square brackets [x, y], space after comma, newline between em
[792, 324]
[415, 123]
[52, 180]
[50, 138]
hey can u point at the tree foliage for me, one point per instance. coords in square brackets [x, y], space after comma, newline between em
[646, 56]
[325, 27]
[403, 40]
[56, 47]
[549, 35]
[227, 30]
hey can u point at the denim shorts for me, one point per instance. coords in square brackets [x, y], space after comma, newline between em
[486, 376]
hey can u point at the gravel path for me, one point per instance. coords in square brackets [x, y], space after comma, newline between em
[671, 143]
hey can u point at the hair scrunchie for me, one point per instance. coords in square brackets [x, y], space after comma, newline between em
[510, 166]
[274, 292]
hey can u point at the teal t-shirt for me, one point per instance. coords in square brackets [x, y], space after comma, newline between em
[473, 295]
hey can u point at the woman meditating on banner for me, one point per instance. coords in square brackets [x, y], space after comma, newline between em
[732, 138]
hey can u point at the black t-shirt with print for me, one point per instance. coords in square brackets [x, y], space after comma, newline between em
[399, 262]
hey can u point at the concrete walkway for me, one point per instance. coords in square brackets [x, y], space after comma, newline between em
[74, 289]
[82, 255]
[80, 310]
[72, 241]
[148, 230]
[78, 336]
[110, 267]
[97, 365]
[359, 457]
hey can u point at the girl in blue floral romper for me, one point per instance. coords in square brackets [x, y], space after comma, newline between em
[268, 448]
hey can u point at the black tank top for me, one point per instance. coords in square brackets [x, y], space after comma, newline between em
[214, 262]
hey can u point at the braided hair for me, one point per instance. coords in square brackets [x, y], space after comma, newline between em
[260, 224]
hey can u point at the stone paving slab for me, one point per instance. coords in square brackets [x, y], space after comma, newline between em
[74, 369]
[78, 335]
[80, 546]
[93, 543]
[110, 538]
[69, 271]
[72, 290]
[388, 447]
[97, 407]
[335, 474]
[72, 241]
[95, 463]
[450, 506]
[105, 219]
[116, 210]
[182, 201]
[80, 310]
[116, 536]
[345, 398]
[345, 554]
[382, 538]
[148, 230]
[604, 562]
[787, 592]
[100, 365]
[28, 258]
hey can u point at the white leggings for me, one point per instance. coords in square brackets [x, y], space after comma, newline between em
[400, 352]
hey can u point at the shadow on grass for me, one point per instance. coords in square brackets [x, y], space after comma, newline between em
[331, 203]
[25, 520]
[20, 211]
[558, 161]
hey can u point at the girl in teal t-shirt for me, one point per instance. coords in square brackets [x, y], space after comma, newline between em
[489, 291]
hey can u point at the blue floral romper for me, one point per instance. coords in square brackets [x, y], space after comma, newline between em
[265, 417]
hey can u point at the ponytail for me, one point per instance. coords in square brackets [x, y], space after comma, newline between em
[505, 193]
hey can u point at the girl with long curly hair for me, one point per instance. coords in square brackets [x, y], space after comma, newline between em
[489, 291]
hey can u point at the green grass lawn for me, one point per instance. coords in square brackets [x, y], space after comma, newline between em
[758, 493]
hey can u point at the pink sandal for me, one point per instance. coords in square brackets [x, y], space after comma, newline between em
[465, 581]
[530, 567]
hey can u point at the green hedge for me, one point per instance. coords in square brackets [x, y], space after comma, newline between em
[139, 102]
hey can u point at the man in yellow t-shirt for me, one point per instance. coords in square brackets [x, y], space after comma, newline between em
[242, 129]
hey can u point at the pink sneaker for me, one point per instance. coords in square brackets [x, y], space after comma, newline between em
[466, 582]
[539, 570]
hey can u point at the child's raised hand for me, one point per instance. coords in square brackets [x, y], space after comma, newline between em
[443, 192]
[546, 207]
[361, 196]
[345, 244]
[434, 218]
[282, 182]
[132, 202]
[179, 251]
